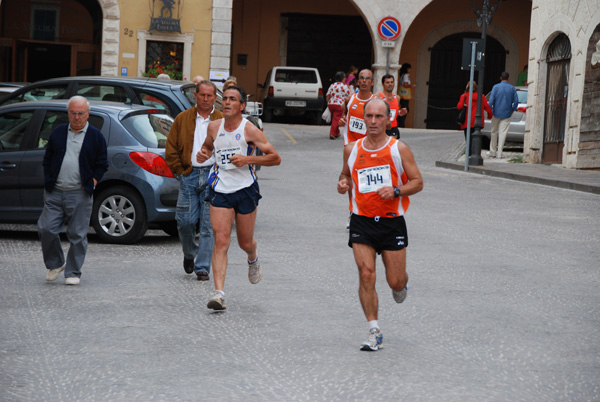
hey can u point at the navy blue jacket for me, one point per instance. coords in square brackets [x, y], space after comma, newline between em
[93, 162]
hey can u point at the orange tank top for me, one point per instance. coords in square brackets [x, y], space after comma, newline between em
[355, 123]
[394, 108]
[371, 170]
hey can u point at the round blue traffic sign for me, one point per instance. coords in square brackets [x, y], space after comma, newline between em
[389, 28]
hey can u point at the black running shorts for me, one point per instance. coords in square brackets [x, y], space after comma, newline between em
[379, 233]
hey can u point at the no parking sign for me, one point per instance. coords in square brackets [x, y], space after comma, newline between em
[389, 28]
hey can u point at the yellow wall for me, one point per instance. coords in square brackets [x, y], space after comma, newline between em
[195, 17]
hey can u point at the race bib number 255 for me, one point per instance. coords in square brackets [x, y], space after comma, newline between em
[222, 156]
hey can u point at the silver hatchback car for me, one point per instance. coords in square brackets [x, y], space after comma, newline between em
[137, 190]
[516, 130]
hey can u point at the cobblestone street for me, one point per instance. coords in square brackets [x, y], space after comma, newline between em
[502, 306]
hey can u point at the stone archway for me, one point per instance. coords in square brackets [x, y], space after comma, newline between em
[455, 27]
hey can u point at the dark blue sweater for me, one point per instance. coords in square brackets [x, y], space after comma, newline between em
[93, 161]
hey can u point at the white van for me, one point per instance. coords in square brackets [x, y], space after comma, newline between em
[293, 91]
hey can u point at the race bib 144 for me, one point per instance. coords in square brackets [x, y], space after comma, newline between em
[373, 178]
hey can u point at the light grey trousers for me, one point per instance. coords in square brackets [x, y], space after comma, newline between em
[72, 208]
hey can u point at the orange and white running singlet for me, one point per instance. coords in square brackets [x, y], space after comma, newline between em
[371, 170]
[355, 120]
[394, 108]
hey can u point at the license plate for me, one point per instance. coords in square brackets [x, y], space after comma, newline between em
[290, 103]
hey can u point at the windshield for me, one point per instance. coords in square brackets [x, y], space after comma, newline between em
[296, 76]
[149, 129]
[522, 96]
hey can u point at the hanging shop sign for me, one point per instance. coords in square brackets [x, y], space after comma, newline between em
[163, 17]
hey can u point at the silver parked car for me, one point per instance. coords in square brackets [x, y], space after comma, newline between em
[516, 130]
[137, 190]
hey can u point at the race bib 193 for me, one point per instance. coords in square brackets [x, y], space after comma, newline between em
[373, 178]
[357, 125]
[222, 156]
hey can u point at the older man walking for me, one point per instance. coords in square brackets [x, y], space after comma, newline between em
[74, 162]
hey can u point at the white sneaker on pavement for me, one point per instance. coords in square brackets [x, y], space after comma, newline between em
[53, 274]
[374, 342]
[217, 302]
[254, 272]
[72, 281]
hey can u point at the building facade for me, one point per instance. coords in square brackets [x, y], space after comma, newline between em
[563, 117]
[246, 38]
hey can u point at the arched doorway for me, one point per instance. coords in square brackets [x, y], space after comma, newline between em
[315, 41]
[447, 80]
[50, 39]
[558, 61]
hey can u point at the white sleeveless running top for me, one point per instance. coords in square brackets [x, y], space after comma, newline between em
[224, 176]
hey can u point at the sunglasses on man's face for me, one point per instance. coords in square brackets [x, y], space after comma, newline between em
[364, 77]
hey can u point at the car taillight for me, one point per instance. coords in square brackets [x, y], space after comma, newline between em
[270, 92]
[320, 92]
[152, 163]
[522, 109]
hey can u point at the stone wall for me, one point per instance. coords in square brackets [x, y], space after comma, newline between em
[589, 139]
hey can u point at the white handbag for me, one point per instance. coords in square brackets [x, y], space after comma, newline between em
[326, 115]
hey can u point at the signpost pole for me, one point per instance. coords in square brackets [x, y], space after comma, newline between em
[470, 107]
[387, 63]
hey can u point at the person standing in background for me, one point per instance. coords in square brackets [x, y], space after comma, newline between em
[462, 103]
[405, 92]
[522, 78]
[504, 101]
[351, 76]
[336, 102]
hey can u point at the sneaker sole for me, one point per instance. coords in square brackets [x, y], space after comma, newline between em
[215, 305]
[368, 348]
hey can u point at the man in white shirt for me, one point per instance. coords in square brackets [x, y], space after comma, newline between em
[185, 139]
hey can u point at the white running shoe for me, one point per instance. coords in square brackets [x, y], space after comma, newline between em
[53, 274]
[217, 302]
[254, 272]
[374, 342]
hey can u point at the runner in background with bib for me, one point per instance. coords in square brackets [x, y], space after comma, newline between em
[380, 173]
[234, 192]
[353, 121]
[395, 111]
